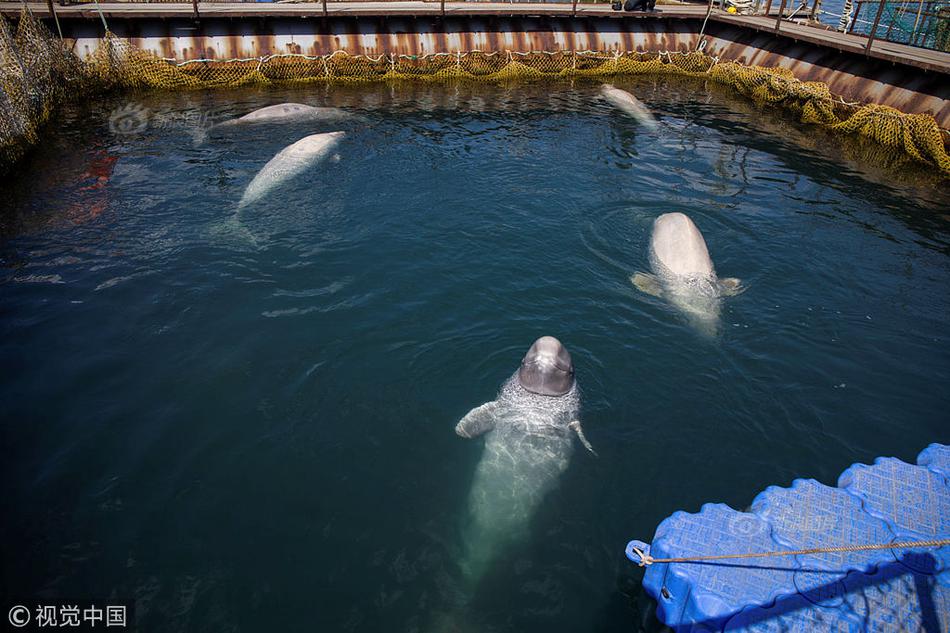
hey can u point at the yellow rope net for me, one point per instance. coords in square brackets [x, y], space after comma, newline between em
[36, 70]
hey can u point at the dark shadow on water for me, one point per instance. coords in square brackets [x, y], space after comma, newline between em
[858, 583]
[629, 604]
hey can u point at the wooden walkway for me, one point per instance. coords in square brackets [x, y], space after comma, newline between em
[897, 53]
[889, 51]
[402, 7]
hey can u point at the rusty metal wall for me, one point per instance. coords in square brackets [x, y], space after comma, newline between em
[216, 38]
[852, 76]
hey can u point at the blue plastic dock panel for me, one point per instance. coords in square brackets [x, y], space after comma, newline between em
[810, 515]
[876, 591]
[912, 500]
[795, 615]
[726, 588]
[936, 458]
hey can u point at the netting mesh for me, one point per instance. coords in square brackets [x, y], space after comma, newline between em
[36, 71]
[923, 23]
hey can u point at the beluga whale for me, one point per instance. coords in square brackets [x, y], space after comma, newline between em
[279, 113]
[528, 431]
[290, 112]
[683, 273]
[289, 162]
[629, 105]
[286, 164]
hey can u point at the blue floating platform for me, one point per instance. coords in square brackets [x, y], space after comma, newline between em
[875, 591]
[936, 457]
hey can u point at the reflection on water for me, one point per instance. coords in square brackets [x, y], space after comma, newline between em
[255, 438]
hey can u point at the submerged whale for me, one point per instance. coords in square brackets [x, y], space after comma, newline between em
[291, 112]
[289, 162]
[683, 272]
[279, 113]
[529, 442]
[628, 104]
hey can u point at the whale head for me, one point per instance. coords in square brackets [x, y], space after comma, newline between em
[685, 272]
[678, 248]
[547, 368]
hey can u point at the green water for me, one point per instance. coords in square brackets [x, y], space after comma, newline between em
[261, 438]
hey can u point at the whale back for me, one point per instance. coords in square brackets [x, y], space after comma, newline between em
[289, 162]
[525, 455]
[314, 147]
[678, 248]
[279, 111]
[628, 104]
[292, 112]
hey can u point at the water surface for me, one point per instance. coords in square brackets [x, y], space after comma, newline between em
[261, 438]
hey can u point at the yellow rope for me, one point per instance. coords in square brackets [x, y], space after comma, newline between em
[646, 559]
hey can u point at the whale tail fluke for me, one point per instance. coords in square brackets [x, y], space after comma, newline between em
[447, 622]
[198, 137]
[472, 570]
[459, 619]
[454, 615]
[232, 231]
[202, 133]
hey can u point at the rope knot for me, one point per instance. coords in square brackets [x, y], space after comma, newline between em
[645, 559]
[638, 552]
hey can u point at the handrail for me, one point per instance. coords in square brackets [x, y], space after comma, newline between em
[781, 12]
[877, 20]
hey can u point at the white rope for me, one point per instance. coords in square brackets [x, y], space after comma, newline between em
[101, 17]
[700, 45]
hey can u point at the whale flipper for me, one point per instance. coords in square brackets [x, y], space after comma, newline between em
[647, 283]
[478, 421]
[730, 286]
[576, 427]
